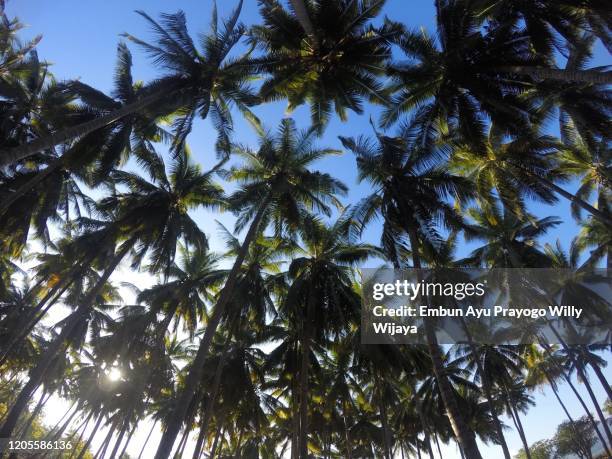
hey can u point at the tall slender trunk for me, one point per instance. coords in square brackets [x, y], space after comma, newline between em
[128, 440]
[466, 440]
[218, 438]
[486, 385]
[569, 382]
[518, 424]
[15, 154]
[195, 373]
[555, 390]
[295, 418]
[438, 445]
[601, 377]
[600, 415]
[79, 435]
[596, 213]
[144, 445]
[347, 439]
[304, 370]
[419, 407]
[384, 422]
[39, 405]
[109, 436]
[570, 76]
[119, 439]
[181, 446]
[57, 430]
[91, 435]
[56, 347]
[210, 404]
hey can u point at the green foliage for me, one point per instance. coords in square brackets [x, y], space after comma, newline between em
[543, 449]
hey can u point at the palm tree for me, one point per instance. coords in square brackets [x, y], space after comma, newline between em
[509, 241]
[321, 299]
[277, 188]
[13, 53]
[149, 217]
[195, 83]
[411, 196]
[327, 54]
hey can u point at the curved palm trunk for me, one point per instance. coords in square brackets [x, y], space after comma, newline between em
[57, 430]
[488, 392]
[466, 440]
[56, 347]
[13, 155]
[195, 373]
[570, 76]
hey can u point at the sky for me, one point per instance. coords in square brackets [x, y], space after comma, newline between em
[79, 40]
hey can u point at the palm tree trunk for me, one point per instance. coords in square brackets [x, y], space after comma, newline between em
[419, 407]
[57, 430]
[128, 440]
[195, 373]
[570, 76]
[91, 435]
[55, 348]
[144, 445]
[210, 404]
[466, 441]
[567, 378]
[596, 213]
[122, 432]
[384, 422]
[347, 439]
[601, 377]
[213, 449]
[35, 412]
[487, 390]
[518, 424]
[600, 415]
[109, 436]
[13, 155]
[304, 370]
[82, 428]
[438, 445]
[301, 13]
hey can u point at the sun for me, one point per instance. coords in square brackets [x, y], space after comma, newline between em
[114, 374]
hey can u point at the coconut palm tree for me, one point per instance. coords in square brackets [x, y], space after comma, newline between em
[321, 299]
[276, 187]
[195, 83]
[327, 54]
[148, 218]
[410, 194]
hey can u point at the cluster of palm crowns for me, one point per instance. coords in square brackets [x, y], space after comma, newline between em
[264, 358]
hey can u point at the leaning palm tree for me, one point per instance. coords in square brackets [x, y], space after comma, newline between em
[195, 83]
[411, 195]
[278, 188]
[148, 218]
[327, 54]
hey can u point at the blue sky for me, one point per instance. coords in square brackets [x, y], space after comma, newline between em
[80, 38]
